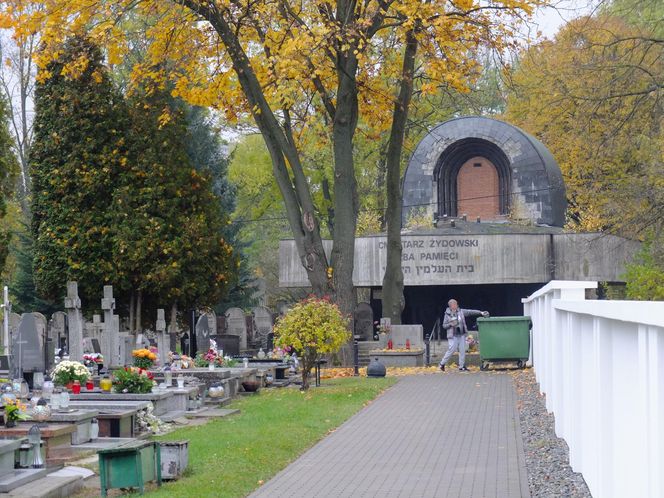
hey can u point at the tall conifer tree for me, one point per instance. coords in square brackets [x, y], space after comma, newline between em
[79, 146]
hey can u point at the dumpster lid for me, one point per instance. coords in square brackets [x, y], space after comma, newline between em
[503, 319]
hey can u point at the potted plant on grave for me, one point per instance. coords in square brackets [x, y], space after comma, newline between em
[67, 372]
[133, 380]
[314, 327]
[143, 358]
[15, 411]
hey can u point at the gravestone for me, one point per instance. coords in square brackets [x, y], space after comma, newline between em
[14, 320]
[163, 339]
[363, 322]
[414, 333]
[28, 346]
[92, 345]
[97, 328]
[203, 333]
[111, 330]
[75, 322]
[237, 325]
[57, 331]
[212, 322]
[262, 325]
[126, 346]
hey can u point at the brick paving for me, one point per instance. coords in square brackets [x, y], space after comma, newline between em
[447, 435]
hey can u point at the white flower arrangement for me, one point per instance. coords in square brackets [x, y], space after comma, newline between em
[147, 421]
[69, 371]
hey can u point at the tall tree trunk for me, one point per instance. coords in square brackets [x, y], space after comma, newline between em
[295, 191]
[345, 190]
[393, 278]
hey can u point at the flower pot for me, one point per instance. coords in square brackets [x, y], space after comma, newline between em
[10, 423]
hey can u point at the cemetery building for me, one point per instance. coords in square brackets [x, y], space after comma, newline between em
[495, 198]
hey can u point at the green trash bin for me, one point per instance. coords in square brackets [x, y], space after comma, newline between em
[504, 339]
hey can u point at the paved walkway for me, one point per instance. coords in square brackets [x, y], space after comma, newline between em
[447, 435]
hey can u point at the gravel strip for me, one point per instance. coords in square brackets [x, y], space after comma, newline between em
[547, 456]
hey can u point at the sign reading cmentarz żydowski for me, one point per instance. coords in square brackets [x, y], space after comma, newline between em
[438, 260]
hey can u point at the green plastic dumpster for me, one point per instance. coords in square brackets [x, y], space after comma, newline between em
[504, 339]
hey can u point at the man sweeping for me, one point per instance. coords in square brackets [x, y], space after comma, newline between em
[454, 321]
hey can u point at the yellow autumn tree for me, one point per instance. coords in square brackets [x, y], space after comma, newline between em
[293, 66]
[594, 96]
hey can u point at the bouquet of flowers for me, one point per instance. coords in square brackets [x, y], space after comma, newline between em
[210, 356]
[147, 421]
[383, 327]
[15, 410]
[92, 359]
[281, 353]
[471, 342]
[143, 358]
[133, 380]
[67, 372]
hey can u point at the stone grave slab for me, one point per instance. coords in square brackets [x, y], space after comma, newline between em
[237, 325]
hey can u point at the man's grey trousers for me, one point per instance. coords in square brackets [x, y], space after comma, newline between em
[457, 343]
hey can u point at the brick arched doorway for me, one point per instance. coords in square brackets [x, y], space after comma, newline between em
[478, 189]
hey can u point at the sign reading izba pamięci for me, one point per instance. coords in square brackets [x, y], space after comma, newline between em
[425, 255]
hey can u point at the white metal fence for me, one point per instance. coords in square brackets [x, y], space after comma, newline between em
[601, 366]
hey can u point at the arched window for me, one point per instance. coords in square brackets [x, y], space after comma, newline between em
[465, 188]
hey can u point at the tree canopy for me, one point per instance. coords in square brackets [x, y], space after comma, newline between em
[7, 170]
[296, 66]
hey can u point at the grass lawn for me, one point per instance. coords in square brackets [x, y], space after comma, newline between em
[231, 457]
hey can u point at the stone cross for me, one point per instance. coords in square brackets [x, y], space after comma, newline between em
[109, 339]
[163, 340]
[75, 320]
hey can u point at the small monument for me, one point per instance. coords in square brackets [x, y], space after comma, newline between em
[75, 321]
[363, 322]
[57, 331]
[237, 325]
[202, 332]
[262, 325]
[111, 329]
[163, 339]
[28, 347]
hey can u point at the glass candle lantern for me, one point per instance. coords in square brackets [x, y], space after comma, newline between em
[47, 388]
[106, 384]
[76, 387]
[168, 377]
[64, 398]
[180, 381]
[89, 384]
[55, 400]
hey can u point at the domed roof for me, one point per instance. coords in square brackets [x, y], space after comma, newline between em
[535, 180]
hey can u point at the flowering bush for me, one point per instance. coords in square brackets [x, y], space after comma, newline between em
[133, 380]
[67, 371]
[143, 358]
[313, 327]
